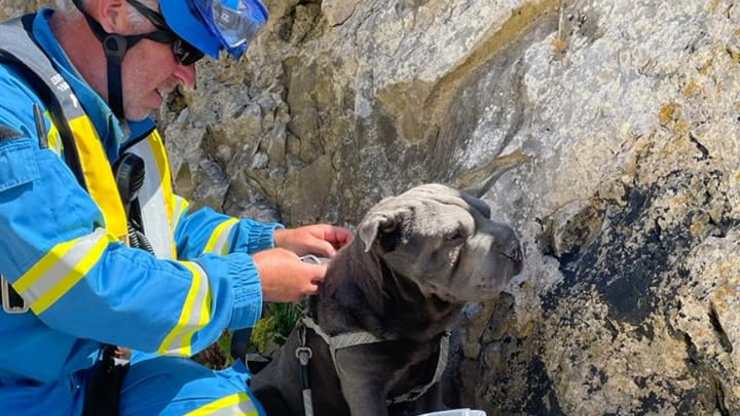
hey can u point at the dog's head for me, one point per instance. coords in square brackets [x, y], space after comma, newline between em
[445, 241]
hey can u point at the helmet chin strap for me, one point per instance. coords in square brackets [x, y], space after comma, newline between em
[115, 47]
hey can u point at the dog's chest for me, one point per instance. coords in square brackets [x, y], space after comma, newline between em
[400, 366]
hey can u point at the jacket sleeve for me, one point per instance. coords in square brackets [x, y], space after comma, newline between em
[56, 253]
[206, 231]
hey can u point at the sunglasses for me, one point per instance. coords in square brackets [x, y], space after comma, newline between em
[185, 53]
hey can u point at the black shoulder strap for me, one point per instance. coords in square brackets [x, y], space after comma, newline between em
[17, 47]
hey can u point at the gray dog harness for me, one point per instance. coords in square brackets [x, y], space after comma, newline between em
[352, 339]
[355, 338]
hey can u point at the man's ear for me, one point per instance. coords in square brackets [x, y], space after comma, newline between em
[370, 227]
[112, 15]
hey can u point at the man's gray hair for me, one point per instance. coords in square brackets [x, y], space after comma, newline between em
[137, 20]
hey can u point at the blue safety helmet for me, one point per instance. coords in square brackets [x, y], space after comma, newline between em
[215, 25]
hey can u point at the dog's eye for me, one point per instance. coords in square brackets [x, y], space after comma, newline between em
[388, 227]
[456, 237]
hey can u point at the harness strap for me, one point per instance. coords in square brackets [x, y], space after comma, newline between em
[83, 151]
[303, 353]
[351, 339]
[417, 392]
[346, 340]
[18, 48]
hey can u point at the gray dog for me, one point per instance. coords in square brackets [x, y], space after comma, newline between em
[387, 304]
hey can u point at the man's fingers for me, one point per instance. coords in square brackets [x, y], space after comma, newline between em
[345, 235]
[311, 289]
[317, 272]
[316, 276]
[323, 248]
[337, 236]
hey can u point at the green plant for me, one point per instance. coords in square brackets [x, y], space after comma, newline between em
[268, 334]
[279, 319]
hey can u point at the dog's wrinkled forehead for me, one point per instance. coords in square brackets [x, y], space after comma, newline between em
[432, 208]
[432, 195]
[434, 192]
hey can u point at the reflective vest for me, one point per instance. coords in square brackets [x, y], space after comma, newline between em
[85, 288]
[159, 205]
[73, 135]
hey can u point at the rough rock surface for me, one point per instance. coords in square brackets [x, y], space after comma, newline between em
[620, 119]
[626, 114]
[11, 8]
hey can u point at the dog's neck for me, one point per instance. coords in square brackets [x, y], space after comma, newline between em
[361, 293]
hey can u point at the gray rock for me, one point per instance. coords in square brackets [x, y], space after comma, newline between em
[622, 118]
[626, 195]
[13, 8]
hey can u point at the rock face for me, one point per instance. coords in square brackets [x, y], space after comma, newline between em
[606, 130]
[622, 118]
[11, 8]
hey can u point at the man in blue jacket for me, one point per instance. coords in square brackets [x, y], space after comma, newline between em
[96, 250]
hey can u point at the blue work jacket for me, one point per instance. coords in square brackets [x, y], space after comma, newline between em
[86, 287]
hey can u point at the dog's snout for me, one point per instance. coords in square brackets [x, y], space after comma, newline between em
[513, 250]
[507, 244]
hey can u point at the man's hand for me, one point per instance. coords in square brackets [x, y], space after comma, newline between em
[284, 277]
[321, 239]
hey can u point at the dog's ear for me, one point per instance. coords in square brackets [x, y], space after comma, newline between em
[384, 225]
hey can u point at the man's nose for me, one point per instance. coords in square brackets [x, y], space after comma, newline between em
[185, 75]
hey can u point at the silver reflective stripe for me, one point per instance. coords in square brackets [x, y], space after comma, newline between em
[195, 314]
[153, 206]
[218, 242]
[60, 270]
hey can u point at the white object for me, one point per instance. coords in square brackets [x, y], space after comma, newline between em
[457, 412]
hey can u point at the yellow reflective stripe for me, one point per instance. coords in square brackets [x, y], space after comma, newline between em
[195, 314]
[60, 270]
[218, 242]
[99, 177]
[42, 266]
[52, 138]
[181, 205]
[236, 404]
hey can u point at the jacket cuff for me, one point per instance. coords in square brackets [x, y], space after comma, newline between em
[260, 235]
[247, 290]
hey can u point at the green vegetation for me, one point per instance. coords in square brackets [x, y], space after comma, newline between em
[269, 334]
[272, 331]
